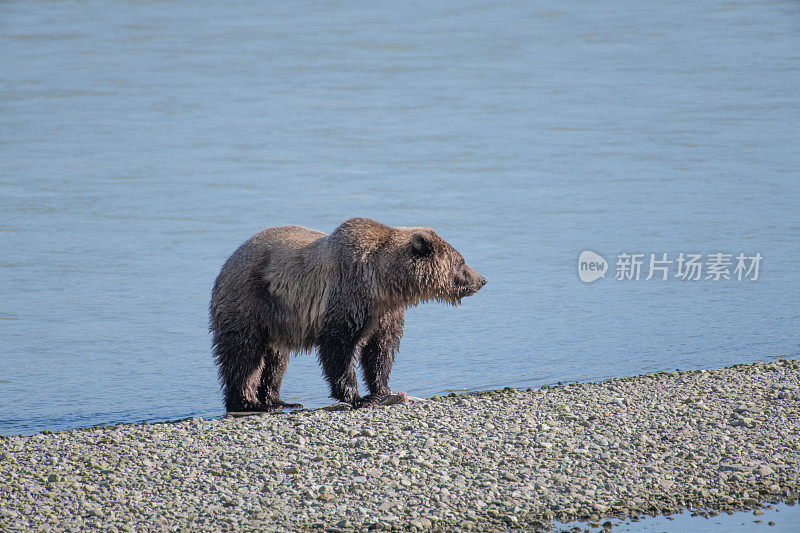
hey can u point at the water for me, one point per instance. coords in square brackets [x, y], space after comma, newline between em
[780, 518]
[141, 143]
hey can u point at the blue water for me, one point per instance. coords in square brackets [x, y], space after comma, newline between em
[780, 518]
[142, 142]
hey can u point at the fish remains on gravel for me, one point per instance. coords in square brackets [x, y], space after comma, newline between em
[707, 440]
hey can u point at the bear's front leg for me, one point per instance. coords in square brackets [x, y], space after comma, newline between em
[337, 348]
[377, 355]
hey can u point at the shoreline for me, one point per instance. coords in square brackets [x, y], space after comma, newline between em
[705, 440]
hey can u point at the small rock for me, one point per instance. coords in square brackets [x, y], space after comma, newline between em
[230, 501]
[764, 470]
[341, 406]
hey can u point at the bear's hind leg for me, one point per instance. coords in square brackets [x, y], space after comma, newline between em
[239, 371]
[269, 390]
[377, 355]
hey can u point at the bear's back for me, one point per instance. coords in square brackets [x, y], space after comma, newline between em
[297, 266]
[286, 237]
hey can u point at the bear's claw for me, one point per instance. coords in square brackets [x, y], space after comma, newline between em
[365, 401]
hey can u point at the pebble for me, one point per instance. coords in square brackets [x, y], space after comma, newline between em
[764, 470]
[717, 440]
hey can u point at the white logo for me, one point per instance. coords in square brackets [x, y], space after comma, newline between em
[664, 266]
[591, 266]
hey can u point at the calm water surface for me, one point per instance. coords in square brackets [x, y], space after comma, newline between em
[780, 518]
[142, 142]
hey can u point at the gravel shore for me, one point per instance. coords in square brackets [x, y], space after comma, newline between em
[707, 440]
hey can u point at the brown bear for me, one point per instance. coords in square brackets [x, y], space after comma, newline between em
[290, 289]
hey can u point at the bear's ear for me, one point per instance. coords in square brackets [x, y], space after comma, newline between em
[421, 244]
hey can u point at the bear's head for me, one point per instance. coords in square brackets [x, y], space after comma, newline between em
[435, 270]
[407, 266]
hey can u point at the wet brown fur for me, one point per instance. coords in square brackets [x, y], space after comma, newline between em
[290, 289]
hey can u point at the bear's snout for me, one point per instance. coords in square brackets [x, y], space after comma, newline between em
[478, 282]
[474, 283]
